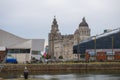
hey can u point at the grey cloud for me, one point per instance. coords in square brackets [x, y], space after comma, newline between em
[35, 16]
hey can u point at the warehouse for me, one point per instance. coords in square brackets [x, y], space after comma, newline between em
[21, 49]
[103, 47]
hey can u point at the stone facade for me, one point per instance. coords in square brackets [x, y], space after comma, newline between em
[62, 45]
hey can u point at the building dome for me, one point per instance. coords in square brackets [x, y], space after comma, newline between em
[83, 23]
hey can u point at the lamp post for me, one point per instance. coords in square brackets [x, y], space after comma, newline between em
[112, 45]
[95, 46]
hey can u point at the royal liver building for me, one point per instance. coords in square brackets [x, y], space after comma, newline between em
[62, 45]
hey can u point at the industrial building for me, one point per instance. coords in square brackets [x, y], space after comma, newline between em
[21, 49]
[103, 47]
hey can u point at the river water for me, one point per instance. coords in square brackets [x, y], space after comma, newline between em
[79, 77]
[92, 75]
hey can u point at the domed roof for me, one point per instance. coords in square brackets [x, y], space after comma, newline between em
[83, 23]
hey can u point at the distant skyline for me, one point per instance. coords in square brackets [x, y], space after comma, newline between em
[33, 18]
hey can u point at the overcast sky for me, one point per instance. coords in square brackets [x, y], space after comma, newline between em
[33, 18]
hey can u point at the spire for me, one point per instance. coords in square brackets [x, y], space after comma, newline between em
[54, 16]
[83, 20]
[83, 23]
[54, 27]
[54, 21]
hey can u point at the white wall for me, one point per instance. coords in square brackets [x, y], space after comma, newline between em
[22, 57]
[8, 39]
[11, 41]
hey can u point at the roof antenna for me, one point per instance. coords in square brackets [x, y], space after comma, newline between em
[54, 16]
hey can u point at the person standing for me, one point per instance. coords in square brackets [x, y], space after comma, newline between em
[26, 73]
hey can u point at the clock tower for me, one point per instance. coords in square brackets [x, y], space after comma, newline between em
[53, 35]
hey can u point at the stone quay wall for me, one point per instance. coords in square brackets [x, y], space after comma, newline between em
[61, 67]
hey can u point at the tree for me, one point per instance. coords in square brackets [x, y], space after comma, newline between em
[60, 57]
[48, 56]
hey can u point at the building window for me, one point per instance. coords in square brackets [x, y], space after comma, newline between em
[24, 50]
[18, 51]
[110, 53]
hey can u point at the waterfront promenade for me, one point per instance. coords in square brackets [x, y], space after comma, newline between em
[58, 67]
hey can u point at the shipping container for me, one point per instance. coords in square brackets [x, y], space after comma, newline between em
[117, 56]
[87, 56]
[101, 56]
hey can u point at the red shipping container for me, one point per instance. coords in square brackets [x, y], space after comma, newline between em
[87, 56]
[101, 56]
[117, 55]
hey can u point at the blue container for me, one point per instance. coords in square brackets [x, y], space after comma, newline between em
[11, 60]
